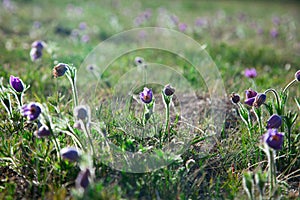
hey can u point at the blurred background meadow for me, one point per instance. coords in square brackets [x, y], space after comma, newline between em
[263, 35]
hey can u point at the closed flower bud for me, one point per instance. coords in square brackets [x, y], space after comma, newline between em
[297, 75]
[168, 90]
[235, 98]
[81, 112]
[259, 100]
[16, 83]
[70, 153]
[43, 131]
[60, 70]
[83, 179]
[274, 121]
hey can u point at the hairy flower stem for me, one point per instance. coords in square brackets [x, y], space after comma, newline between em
[72, 78]
[87, 133]
[288, 85]
[20, 99]
[278, 102]
[258, 115]
[167, 120]
[272, 170]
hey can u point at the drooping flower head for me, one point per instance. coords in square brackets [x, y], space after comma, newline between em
[146, 96]
[82, 180]
[43, 131]
[235, 98]
[81, 112]
[31, 111]
[35, 54]
[70, 153]
[169, 90]
[297, 75]
[60, 70]
[250, 97]
[273, 139]
[250, 73]
[16, 83]
[274, 121]
[259, 99]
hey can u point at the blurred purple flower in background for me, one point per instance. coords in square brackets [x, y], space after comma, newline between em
[85, 38]
[276, 20]
[273, 139]
[32, 111]
[182, 27]
[82, 26]
[35, 54]
[250, 73]
[274, 33]
[16, 83]
[201, 22]
[82, 180]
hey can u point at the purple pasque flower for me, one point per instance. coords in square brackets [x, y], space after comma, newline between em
[259, 99]
[60, 69]
[70, 153]
[273, 139]
[146, 96]
[276, 20]
[250, 73]
[43, 131]
[250, 97]
[38, 44]
[83, 179]
[274, 121]
[32, 111]
[35, 54]
[16, 83]
[297, 75]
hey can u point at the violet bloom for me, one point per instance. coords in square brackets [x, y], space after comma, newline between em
[146, 96]
[85, 38]
[70, 153]
[182, 27]
[60, 69]
[297, 75]
[32, 111]
[200, 22]
[273, 139]
[82, 180]
[250, 97]
[250, 73]
[16, 83]
[82, 26]
[274, 33]
[35, 54]
[43, 131]
[39, 45]
[139, 61]
[274, 121]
